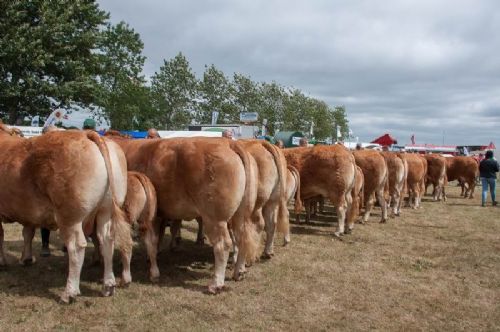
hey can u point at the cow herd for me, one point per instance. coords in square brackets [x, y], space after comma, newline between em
[87, 185]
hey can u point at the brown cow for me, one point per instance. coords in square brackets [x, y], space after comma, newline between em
[415, 181]
[436, 175]
[66, 180]
[328, 171]
[465, 170]
[397, 179]
[140, 210]
[271, 204]
[376, 175]
[357, 194]
[211, 178]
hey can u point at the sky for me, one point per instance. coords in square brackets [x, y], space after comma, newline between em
[429, 68]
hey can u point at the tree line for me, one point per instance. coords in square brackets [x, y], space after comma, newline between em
[69, 51]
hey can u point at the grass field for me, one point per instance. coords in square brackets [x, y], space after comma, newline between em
[437, 268]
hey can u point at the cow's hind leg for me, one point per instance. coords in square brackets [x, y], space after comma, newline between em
[270, 214]
[175, 234]
[160, 226]
[27, 256]
[126, 256]
[472, 186]
[381, 201]
[151, 239]
[75, 242]
[368, 208]
[341, 207]
[3, 261]
[349, 208]
[218, 235]
[106, 243]
[200, 238]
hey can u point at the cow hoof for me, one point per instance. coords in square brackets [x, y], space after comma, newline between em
[124, 284]
[200, 242]
[383, 221]
[67, 300]
[108, 291]
[214, 290]
[338, 235]
[267, 255]
[397, 214]
[28, 262]
[155, 280]
[348, 231]
[239, 276]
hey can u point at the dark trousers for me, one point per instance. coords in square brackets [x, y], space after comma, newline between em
[45, 236]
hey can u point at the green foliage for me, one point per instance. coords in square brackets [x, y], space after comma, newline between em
[125, 97]
[174, 89]
[340, 118]
[273, 99]
[47, 50]
[215, 91]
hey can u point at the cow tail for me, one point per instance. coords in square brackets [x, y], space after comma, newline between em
[298, 206]
[246, 233]
[120, 228]
[283, 223]
[148, 214]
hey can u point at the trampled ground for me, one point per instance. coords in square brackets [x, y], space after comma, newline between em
[437, 268]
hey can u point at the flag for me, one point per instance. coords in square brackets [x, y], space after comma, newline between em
[412, 139]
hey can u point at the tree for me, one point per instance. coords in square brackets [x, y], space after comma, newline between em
[125, 98]
[215, 93]
[47, 49]
[273, 99]
[246, 94]
[320, 115]
[295, 114]
[173, 91]
[340, 119]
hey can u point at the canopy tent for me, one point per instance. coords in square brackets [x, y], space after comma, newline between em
[289, 138]
[385, 140]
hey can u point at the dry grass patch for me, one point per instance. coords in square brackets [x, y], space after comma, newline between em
[437, 268]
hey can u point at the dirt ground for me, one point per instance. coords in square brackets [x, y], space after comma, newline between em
[436, 268]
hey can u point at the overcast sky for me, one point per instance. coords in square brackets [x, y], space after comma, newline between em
[403, 67]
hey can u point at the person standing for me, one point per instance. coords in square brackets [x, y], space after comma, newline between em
[488, 168]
